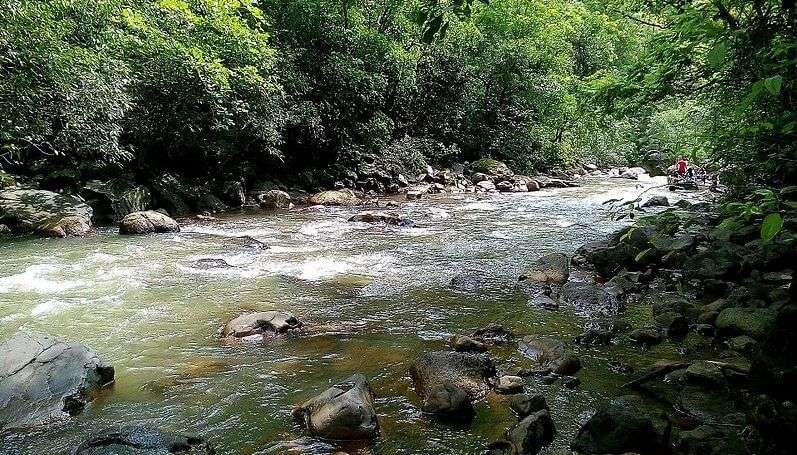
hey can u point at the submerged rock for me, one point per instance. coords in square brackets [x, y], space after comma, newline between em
[343, 196]
[549, 353]
[43, 378]
[622, 427]
[143, 440]
[494, 333]
[45, 213]
[528, 437]
[525, 405]
[210, 263]
[462, 343]
[552, 268]
[470, 282]
[148, 222]
[390, 218]
[261, 323]
[344, 411]
[448, 382]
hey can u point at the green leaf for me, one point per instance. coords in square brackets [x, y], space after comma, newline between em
[773, 84]
[716, 56]
[642, 254]
[772, 224]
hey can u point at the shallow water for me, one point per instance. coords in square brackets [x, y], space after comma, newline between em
[140, 304]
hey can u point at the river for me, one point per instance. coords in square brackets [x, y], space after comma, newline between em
[142, 305]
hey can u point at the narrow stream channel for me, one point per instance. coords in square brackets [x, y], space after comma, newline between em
[384, 292]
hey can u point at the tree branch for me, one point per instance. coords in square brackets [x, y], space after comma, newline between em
[638, 20]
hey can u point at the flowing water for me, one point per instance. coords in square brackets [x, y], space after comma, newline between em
[142, 305]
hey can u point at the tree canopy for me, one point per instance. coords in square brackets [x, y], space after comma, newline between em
[244, 89]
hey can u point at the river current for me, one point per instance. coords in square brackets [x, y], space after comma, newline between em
[383, 292]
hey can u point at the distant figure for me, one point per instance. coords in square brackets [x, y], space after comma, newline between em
[681, 166]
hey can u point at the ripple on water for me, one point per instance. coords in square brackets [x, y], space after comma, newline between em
[38, 279]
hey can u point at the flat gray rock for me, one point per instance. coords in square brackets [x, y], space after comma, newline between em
[43, 378]
[261, 323]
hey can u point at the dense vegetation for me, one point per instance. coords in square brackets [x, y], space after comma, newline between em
[237, 89]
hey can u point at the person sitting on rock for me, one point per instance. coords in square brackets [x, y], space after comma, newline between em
[681, 166]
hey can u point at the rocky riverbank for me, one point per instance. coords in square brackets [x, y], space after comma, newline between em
[25, 209]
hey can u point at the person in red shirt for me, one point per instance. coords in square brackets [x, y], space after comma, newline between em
[681, 166]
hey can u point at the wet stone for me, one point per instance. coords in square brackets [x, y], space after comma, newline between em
[143, 440]
[344, 411]
[43, 379]
[462, 343]
[524, 404]
[509, 385]
[261, 323]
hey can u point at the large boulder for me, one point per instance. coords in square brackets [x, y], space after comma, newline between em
[148, 222]
[549, 354]
[343, 196]
[344, 411]
[657, 201]
[43, 378]
[116, 198]
[531, 434]
[589, 298]
[624, 426]
[608, 258]
[448, 382]
[260, 324]
[391, 218]
[757, 323]
[718, 261]
[490, 167]
[272, 199]
[552, 268]
[45, 213]
[143, 440]
[180, 197]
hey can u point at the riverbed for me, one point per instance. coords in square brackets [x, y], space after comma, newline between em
[382, 292]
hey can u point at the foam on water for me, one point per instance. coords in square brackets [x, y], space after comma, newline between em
[481, 205]
[51, 306]
[326, 228]
[36, 278]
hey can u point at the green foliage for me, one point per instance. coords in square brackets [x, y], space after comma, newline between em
[765, 207]
[114, 84]
[729, 66]
[231, 89]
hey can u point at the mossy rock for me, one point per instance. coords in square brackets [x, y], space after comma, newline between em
[490, 166]
[757, 323]
[6, 180]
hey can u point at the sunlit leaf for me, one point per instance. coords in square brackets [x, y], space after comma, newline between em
[772, 224]
[773, 84]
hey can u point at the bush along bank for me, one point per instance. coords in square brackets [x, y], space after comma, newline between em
[720, 282]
